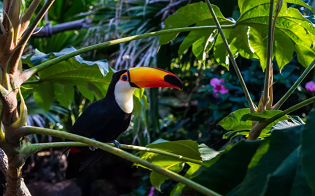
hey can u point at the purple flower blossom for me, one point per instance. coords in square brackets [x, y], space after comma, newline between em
[310, 86]
[151, 191]
[218, 87]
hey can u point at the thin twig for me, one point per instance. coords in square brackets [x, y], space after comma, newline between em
[250, 102]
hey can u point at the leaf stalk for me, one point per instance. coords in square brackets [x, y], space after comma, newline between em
[250, 102]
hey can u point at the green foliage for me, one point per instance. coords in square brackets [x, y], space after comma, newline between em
[308, 150]
[233, 121]
[187, 148]
[242, 120]
[268, 167]
[261, 117]
[67, 10]
[230, 166]
[248, 35]
[92, 78]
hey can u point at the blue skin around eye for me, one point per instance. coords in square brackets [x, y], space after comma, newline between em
[124, 78]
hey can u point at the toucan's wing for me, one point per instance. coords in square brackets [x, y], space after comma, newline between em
[93, 119]
[103, 120]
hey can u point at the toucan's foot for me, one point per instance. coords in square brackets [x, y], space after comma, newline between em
[116, 143]
[93, 148]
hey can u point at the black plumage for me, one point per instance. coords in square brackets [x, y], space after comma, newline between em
[105, 120]
[102, 120]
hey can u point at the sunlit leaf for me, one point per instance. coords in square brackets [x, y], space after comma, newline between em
[187, 148]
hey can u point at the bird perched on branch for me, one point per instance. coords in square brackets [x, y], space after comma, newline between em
[105, 119]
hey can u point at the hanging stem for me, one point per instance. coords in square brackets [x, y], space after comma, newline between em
[250, 102]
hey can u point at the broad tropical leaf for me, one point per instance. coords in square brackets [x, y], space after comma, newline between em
[308, 150]
[187, 148]
[91, 78]
[248, 36]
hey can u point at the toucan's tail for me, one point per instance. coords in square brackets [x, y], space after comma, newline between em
[79, 159]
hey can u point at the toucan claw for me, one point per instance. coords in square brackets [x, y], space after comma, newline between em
[116, 143]
[93, 148]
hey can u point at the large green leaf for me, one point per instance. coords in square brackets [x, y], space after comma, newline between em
[280, 182]
[300, 185]
[241, 121]
[91, 78]
[269, 157]
[187, 148]
[64, 94]
[229, 169]
[248, 37]
[189, 15]
[233, 121]
[308, 150]
[206, 154]
[43, 94]
[261, 117]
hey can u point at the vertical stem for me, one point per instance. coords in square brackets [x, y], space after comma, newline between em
[238, 72]
[266, 92]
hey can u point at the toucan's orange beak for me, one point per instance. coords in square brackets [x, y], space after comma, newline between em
[148, 77]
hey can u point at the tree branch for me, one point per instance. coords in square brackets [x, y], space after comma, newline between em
[125, 155]
[250, 102]
[49, 30]
[23, 190]
[29, 72]
[30, 149]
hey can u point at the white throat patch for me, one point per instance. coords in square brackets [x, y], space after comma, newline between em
[124, 96]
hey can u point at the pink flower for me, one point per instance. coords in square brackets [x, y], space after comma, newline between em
[151, 191]
[218, 87]
[310, 86]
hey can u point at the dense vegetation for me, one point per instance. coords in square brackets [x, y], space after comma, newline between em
[241, 126]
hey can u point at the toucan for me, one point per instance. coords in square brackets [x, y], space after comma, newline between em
[105, 119]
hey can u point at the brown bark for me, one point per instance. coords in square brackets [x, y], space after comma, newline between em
[20, 188]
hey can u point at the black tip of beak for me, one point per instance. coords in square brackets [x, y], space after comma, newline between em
[173, 81]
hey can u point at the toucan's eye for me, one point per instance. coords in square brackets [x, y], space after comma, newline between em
[124, 78]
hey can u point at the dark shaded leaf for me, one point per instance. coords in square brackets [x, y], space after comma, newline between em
[280, 182]
[229, 168]
[274, 150]
[308, 150]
